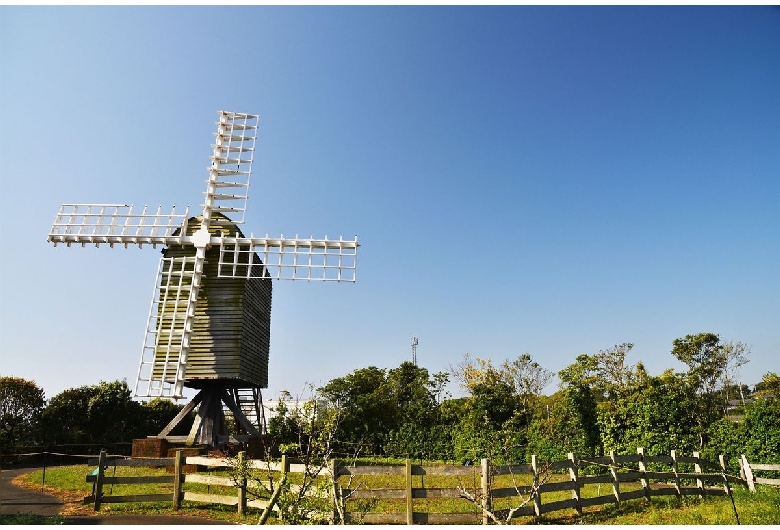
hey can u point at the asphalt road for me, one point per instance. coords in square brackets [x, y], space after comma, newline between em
[14, 499]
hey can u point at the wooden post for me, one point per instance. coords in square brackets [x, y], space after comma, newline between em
[486, 504]
[615, 481]
[748, 473]
[178, 465]
[99, 480]
[285, 468]
[537, 495]
[575, 486]
[643, 473]
[242, 484]
[676, 476]
[409, 503]
[334, 491]
[726, 487]
[697, 469]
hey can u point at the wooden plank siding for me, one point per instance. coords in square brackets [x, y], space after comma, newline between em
[231, 333]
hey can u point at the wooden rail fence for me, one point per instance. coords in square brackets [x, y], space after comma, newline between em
[471, 494]
[746, 470]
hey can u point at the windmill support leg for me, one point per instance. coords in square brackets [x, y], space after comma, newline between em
[210, 420]
[189, 407]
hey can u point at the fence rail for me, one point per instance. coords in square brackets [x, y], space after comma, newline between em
[484, 492]
[746, 470]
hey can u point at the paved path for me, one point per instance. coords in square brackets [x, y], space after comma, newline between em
[14, 499]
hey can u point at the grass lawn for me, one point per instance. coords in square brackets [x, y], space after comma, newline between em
[761, 507]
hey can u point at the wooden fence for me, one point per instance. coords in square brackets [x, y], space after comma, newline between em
[177, 479]
[505, 492]
[453, 494]
[746, 470]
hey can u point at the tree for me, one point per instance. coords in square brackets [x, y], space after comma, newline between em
[769, 386]
[156, 414]
[712, 365]
[529, 379]
[500, 407]
[557, 428]
[736, 355]
[313, 424]
[580, 381]
[419, 431]
[368, 410]
[21, 403]
[102, 413]
[704, 356]
[657, 413]
[613, 371]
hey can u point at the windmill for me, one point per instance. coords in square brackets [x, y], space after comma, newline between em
[209, 319]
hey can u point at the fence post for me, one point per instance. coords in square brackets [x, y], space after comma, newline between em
[615, 480]
[537, 495]
[643, 472]
[697, 470]
[726, 487]
[242, 484]
[674, 469]
[43, 477]
[409, 504]
[747, 472]
[575, 487]
[485, 490]
[334, 491]
[99, 480]
[178, 465]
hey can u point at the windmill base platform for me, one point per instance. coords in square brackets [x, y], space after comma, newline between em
[157, 447]
[210, 428]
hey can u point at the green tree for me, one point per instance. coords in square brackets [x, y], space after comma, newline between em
[102, 413]
[496, 415]
[580, 382]
[156, 414]
[302, 498]
[419, 431]
[21, 403]
[712, 367]
[769, 386]
[657, 413]
[761, 431]
[368, 410]
[529, 379]
[557, 429]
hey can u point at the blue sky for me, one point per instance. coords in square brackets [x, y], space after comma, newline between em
[551, 180]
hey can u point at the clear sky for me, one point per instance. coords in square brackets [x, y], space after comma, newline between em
[550, 180]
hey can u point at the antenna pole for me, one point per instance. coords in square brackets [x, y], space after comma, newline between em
[415, 342]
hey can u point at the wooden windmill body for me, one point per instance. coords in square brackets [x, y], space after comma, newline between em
[209, 319]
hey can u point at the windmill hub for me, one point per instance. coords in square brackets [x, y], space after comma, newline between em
[201, 238]
[209, 321]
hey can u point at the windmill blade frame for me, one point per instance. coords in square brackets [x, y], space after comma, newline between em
[115, 224]
[289, 258]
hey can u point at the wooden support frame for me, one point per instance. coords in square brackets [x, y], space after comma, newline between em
[210, 424]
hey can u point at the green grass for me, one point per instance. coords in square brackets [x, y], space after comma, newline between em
[30, 518]
[72, 479]
[761, 507]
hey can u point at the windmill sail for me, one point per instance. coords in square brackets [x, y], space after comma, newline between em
[162, 369]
